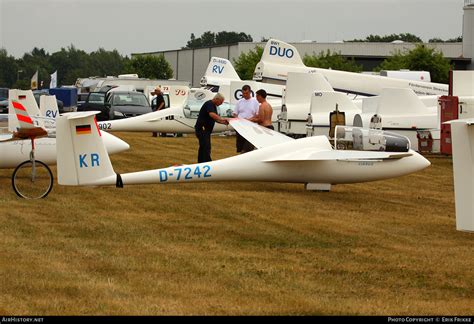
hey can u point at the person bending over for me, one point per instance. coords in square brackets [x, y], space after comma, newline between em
[205, 124]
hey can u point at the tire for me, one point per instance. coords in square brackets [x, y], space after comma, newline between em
[23, 184]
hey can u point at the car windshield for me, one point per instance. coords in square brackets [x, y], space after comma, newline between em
[96, 97]
[193, 106]
[129, 99]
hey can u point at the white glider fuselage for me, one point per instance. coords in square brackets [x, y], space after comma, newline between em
[279, 58]
[17, 151]
[170, 120]
[257, 166]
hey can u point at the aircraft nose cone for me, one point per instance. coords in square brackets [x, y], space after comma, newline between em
[113, 144]
[422, 162]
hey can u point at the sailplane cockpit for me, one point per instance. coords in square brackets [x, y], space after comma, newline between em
[368, 139]
[193, 106]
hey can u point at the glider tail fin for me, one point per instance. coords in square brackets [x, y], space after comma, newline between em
[81, 154]
[462, 135]
[49, 106]
[26, 100]
[279, 52]
[277, 60]
[24, 119]
[219, 69]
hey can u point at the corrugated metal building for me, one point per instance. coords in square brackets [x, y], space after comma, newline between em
[190, 64]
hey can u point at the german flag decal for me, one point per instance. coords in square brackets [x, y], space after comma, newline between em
[83, 129]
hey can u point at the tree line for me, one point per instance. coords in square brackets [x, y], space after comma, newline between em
[72, 63]
[405, 37]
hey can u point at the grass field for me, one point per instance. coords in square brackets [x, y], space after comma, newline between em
[387, 247]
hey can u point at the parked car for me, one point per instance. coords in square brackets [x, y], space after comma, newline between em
[38, 93]
[4, 106]
[116, 104]
[3, 94]
[3, 100]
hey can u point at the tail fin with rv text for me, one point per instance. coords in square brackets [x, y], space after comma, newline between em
[219, 71]
[49, 106]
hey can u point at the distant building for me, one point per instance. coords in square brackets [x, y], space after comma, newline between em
[190, 64]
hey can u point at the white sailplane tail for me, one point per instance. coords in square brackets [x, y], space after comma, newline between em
[218, 72]
[82, 156]
[49, 106]
[26, 99]
[462, 135]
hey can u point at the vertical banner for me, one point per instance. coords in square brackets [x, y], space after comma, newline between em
[54, 80]
[34, 81]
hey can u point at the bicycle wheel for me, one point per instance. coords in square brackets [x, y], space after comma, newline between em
[32, 183]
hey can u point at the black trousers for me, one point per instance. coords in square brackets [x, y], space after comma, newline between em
[204, 152]
[242, 144]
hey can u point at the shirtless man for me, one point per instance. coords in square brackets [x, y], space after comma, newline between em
[265, 111]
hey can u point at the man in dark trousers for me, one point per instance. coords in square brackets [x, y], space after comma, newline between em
[158, 104]
[205, 124]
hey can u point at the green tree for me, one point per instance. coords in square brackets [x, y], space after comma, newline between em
[421, 58]
[246, 62]
[71, 63]
[224, 38]
[8, 69]
[454, 40]
[333, 61]
[105, 63]
[36, 60]
[450, 40]
[406, 37]
[150, 66]
[209, 38]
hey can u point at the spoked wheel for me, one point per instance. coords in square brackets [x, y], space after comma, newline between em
[32, 180]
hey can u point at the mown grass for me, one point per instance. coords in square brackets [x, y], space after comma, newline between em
[387, 247]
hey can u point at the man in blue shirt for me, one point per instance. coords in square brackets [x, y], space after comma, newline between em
[207, 117]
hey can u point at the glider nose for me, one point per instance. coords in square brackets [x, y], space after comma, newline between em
[114, 144]
[421, 162]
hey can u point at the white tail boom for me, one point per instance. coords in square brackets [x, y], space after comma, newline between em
[279, 58]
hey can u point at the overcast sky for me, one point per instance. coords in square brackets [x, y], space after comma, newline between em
[154, 25]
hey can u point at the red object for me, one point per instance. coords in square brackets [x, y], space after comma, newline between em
[449, 111]
[425, 141]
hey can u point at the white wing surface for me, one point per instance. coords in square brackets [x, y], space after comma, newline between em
[259, 136]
